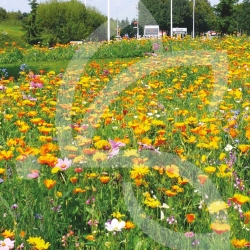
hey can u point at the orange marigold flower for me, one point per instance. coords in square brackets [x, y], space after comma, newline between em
[104, 179]
[8, 234]
[240, 243]
[170, 193]
[129, 225]
[49, 183]
[79, 190]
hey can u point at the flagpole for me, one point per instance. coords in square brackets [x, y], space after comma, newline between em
[171, 18]
[193, 19]
[108, 23]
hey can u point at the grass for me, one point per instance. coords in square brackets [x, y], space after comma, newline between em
[12, 31]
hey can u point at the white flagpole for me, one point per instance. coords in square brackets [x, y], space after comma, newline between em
[171, 18]
[108, 23]
[193, 19]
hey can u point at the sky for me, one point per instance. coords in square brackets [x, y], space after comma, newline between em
[118, 8]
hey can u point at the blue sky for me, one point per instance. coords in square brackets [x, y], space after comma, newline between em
[118, 8]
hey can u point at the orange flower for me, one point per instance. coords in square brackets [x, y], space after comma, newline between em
[202, 178]
[8, 234]
[190, 217]
[6, 155]
[220, 228]
[79, 190]
[170, 193]
[104, 179]
[172, 171]
[89, 151]
[90, 237]
[48, 159]
[240, 243]
[244, 148]
[74, 180]
[129, 225]
[22, 234]
[49, 183]
[240, 199]
[247, 216]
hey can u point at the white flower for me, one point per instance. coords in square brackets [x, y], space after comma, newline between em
[6, 244]
[115, 225]
[164, 205]
[228, 147]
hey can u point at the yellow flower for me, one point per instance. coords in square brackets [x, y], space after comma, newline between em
[224, 171]
[240, 243]
[139, 171]
[38, 243]
[151, 202]
[240, 199]
[8, 234]
[55, 170]
[220, 228]
[90, 237]
[203, 158]
[59, 194]
[102, 144]
[2, 170]
[99, 156]
[217, 206]
[210, 170]
[172, 171]
[130, 152]
[117, 215]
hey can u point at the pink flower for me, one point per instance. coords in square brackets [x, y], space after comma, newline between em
[115, 147]
[189, 234]
[34, 174]
[63, 164]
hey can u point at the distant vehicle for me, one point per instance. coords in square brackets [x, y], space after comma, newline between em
[151, 31]
[211, 34]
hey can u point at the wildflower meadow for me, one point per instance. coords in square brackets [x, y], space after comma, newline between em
[136, 144]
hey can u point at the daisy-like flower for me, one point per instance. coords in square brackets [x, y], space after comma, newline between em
[115, 225]
[38, 243]
[63, 164]
[6, 244]
[228, 147]
[34, 174]
[217, 206]
[115, 146]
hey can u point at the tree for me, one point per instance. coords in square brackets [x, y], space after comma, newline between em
[225, 11]
[242, 16]
[30, 25]
[64, 21]
[3, 14]
[158, 12]
[205, 19]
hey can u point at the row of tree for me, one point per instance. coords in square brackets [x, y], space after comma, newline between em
[63, 21]
[227, 17]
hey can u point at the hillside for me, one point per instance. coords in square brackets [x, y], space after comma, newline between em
[11, 32]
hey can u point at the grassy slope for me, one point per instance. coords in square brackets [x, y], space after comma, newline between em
[12, 32]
